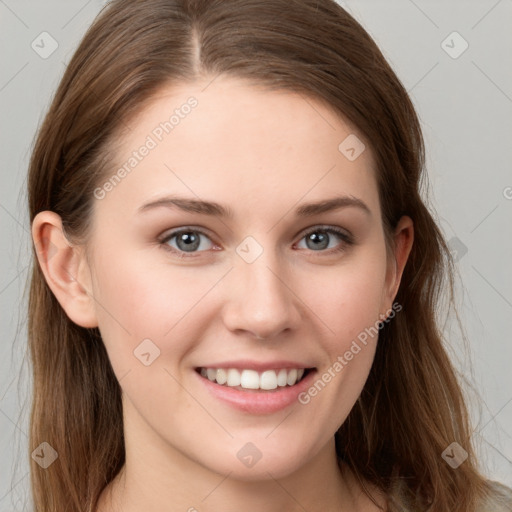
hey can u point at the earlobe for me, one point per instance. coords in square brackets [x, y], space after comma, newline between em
[65, 269]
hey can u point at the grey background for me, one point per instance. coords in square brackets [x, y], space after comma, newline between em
[465, 105]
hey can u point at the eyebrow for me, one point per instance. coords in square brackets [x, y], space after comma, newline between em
[216, 209]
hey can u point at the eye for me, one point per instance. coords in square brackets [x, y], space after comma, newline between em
[321, 238]
[186, 241]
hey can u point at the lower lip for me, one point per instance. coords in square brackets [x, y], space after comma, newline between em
[258, 402]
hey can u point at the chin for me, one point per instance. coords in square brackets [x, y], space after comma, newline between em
[250, 465]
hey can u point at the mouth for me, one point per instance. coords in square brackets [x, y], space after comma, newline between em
[255, 388]
[252, 381]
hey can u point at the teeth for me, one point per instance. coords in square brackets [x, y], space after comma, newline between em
[282, 378]
[292, 377]
[251, 379]
[222, 376]
[268, 380]
[234, 378]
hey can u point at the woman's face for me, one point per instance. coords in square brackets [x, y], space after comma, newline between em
[217, 248]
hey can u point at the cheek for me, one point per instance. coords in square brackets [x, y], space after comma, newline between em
[347, 301]
[136, 302]
[348, 298]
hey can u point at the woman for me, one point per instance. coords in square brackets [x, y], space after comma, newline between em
[235, 295]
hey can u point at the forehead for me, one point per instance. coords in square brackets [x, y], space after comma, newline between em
[241, 145]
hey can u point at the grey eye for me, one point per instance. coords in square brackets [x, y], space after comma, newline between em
[188, 241]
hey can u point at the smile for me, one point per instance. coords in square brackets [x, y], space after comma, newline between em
[251, 379]
[267, 391]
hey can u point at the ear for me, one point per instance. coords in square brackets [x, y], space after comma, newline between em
[65, 269]
[403, 238]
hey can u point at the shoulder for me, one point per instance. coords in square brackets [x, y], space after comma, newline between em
[498, 500]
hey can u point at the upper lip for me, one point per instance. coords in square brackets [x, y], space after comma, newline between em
[258, 366]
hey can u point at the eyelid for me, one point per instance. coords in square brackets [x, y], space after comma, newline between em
[343, 233]
[169, 233]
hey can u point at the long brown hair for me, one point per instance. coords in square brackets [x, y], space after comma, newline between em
[412, 406]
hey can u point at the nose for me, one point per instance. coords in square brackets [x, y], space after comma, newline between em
[260, 299]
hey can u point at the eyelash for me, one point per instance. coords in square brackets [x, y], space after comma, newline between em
[347, 240]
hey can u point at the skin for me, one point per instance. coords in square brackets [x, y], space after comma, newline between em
[262, 154]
